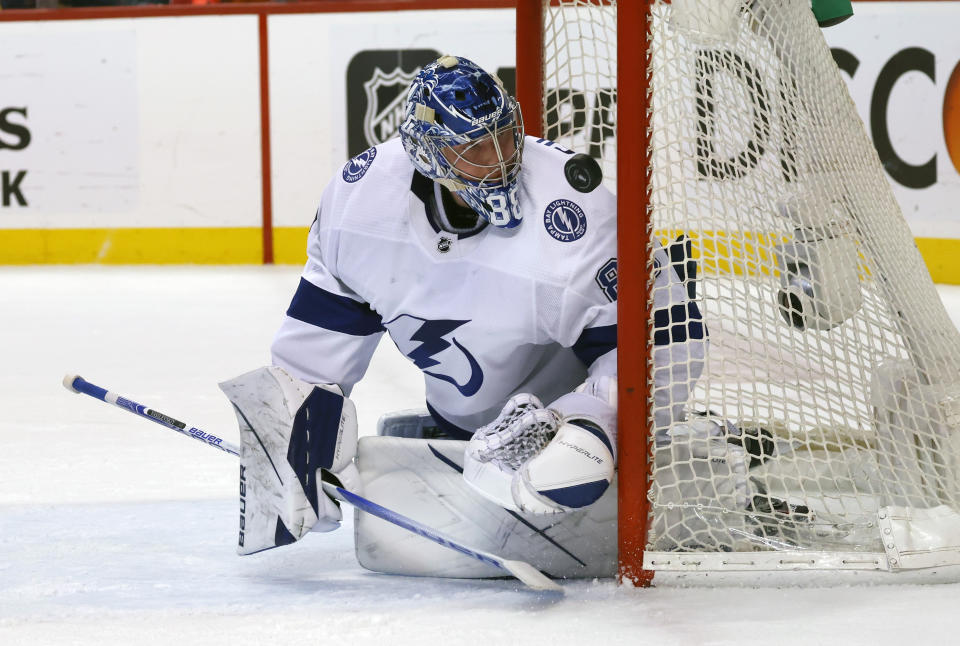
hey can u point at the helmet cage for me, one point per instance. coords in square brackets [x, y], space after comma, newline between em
[487, 157]
[475, 152]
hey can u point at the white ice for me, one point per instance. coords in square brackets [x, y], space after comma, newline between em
[114, 530]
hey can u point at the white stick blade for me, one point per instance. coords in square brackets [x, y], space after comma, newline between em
[531, 576]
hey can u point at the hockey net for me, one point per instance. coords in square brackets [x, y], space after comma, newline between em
[820, 427]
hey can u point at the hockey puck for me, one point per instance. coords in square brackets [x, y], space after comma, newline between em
[583, 172]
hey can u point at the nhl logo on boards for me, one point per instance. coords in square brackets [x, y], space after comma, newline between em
[377, 84]
[444, 244]
[357, 167]
[386, 95]
[565, 220]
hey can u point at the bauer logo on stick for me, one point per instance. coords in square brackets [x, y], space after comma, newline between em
[565, 220]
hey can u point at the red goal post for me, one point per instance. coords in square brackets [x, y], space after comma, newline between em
[632, 189]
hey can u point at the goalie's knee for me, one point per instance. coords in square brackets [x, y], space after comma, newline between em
[571, 472]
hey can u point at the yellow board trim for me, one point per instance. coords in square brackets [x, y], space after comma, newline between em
[244, 245]
[942, 256]
[720, 253]
[155, 246]
[290, 245]
[202, 246]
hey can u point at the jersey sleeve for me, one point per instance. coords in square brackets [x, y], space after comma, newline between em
[582, 315]
[586, 317]
[329, 333]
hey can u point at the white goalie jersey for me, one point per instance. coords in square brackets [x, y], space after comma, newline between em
[483, 315]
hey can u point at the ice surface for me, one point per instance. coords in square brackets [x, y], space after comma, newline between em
[116, 531]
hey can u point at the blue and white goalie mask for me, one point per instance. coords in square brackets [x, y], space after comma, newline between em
[462, 129]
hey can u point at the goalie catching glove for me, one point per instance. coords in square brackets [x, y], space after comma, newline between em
[541, 460]
[293, 434]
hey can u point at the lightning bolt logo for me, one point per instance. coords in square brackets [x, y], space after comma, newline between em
[357, 167]
[564, 220]
[561, 215]
[430, 337]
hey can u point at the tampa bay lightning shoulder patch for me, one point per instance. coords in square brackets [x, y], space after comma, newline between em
[358, 166]
[565, 220]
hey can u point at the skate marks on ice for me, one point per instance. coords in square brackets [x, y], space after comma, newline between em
[86, 561]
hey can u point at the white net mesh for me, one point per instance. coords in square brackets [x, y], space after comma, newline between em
[580, 61]
[827, 396]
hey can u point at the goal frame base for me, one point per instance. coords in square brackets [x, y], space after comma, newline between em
[776, 561]
[853, 573]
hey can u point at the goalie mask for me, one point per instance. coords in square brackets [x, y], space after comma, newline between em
[462, 129]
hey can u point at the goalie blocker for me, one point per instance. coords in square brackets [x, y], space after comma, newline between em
[292, 435]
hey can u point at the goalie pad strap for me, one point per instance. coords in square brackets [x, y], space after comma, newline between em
[310, 452]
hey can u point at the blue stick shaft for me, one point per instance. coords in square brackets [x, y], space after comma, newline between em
[80, 385]
[523, 571]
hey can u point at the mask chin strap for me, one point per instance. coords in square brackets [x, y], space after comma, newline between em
[451, 184]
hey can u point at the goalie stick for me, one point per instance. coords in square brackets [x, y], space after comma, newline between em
[522, 570]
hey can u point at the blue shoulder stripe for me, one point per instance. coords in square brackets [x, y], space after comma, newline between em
[594, 342]
[317, 306]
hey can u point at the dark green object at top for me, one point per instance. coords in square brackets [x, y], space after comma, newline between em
[831, 12]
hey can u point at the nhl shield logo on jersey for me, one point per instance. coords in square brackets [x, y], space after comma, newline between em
[358, 166]
[565, 220]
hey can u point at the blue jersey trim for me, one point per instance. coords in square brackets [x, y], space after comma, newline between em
[317, 306]
[594, 342]
[678, 324]
[422, 187]
[451, 429]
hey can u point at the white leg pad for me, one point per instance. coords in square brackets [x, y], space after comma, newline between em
[422, 479]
